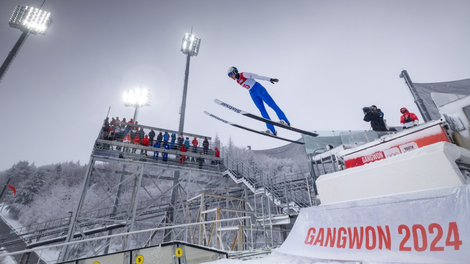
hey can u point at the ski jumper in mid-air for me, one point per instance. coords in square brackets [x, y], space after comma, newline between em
[259, 94]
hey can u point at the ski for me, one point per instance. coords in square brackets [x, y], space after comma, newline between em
[251, 130]
[259, 118]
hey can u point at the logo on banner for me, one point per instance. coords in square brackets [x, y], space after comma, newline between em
[408, 147]
[416, 237]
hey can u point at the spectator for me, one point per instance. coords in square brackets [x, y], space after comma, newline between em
[127, 129]
[408, 119]
[141, 134]
[205, 146]
[180, 141]
[375, 117]
[151, 136]
[173, 141]
[145, 143]
[183, 157]
[160, 138]
[113, 121]
[136, 141]
[106, 125]
[118, 133]
[166, 137]
[195, 143]
[155, 153]
[186, 143]
[134, 132]
[165, 154]
[126, 140]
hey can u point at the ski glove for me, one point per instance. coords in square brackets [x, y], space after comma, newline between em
[274, 80]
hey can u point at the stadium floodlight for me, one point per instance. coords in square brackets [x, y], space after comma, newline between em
[190, 47]
[30, 20]
[137, 98]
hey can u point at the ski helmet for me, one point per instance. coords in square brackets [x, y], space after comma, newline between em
[232, 70]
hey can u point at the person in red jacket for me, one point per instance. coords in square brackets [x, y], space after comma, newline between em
[408, 119]
[146, 143]
[217, 155]
[195, 143]
[183, 157]
[135, 141]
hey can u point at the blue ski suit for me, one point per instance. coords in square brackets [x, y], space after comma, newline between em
[259, 94]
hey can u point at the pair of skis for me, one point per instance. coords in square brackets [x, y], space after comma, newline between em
[250, 115]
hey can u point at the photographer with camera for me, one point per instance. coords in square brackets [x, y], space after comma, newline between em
[376, 118]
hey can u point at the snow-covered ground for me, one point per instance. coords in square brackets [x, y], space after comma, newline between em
[277, 258]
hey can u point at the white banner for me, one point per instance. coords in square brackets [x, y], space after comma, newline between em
[421, 227]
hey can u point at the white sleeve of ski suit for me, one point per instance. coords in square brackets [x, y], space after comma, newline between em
[256, 76]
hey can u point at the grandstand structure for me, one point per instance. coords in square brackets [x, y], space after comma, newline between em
[130, 200]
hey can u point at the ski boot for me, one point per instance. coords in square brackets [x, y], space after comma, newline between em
[283, 122]
[269, 132]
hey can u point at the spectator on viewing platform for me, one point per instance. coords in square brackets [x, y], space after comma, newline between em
[134, 132]
[151, 136]
[118, 134]
[127, 130]
[180, 141]
[124, 120]
[113, 121]
[160, 138]
[135, 141]
[145, 143]
[195, 143]
[165, 154]
[166, 137]
[141, 134]
[106, 125]
[186, 143]
[205, 146]
[183, 157]
[111, 129]
[127, 140]
[408, 119]
[173, 141]
[155, 153]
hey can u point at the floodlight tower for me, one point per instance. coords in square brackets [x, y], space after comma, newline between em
[137, 98]
[30, 20]
[190, 47]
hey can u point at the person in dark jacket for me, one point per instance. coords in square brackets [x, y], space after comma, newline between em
[141, 134]
[151, 136]
[376, 118]
[160, 138]
[205, 146]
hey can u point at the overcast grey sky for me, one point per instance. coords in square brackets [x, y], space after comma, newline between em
[331, 57]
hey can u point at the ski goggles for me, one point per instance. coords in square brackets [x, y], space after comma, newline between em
[230, 74]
